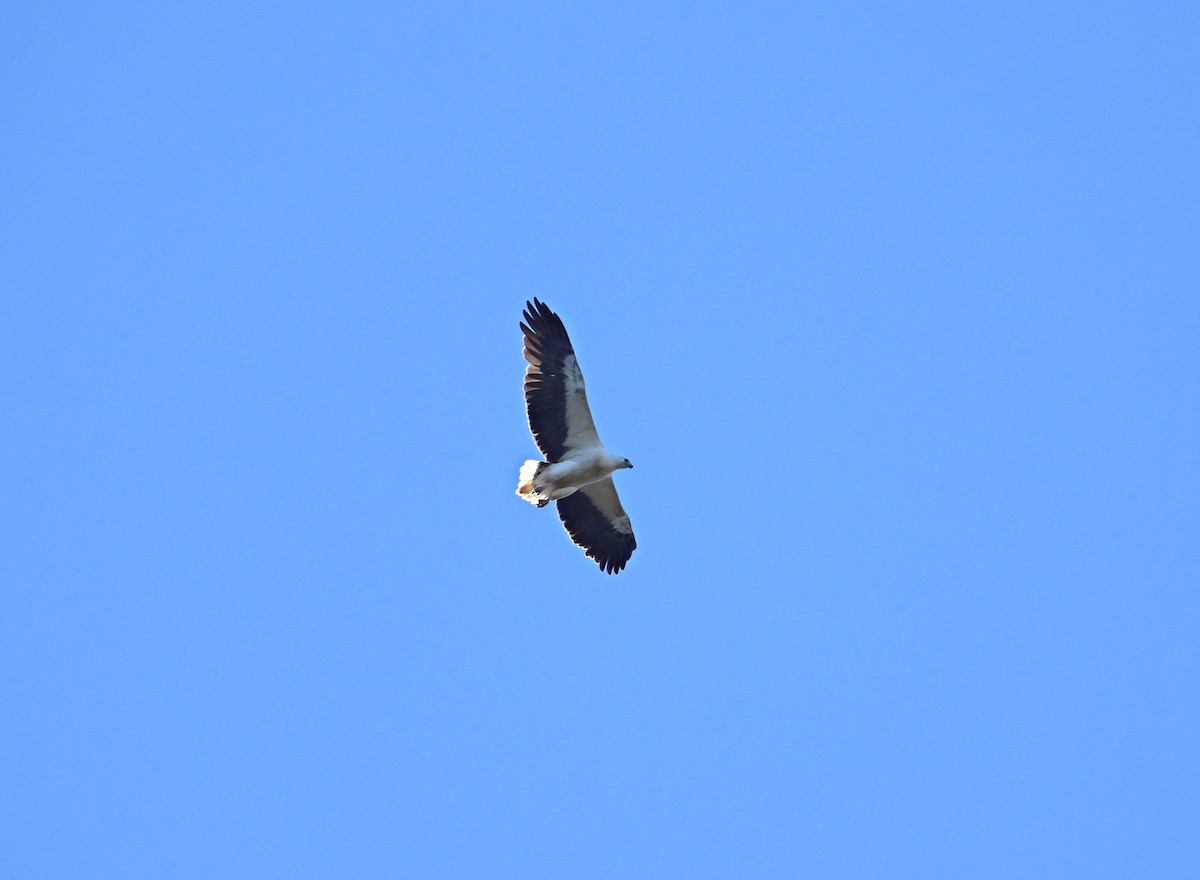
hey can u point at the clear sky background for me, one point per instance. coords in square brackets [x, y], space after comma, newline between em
[895, 307]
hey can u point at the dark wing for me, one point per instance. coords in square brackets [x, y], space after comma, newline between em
[596, 522]
[555, 400]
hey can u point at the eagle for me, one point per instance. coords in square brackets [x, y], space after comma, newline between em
[577, 471]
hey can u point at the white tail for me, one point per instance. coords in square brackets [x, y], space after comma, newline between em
[525, 480]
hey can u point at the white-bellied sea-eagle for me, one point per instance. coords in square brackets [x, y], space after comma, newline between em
[577, 469]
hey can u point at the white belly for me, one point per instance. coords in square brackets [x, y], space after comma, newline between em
[566, 477]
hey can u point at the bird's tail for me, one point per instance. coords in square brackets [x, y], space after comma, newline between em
[526, 480]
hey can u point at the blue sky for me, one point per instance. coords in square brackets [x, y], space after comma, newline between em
[893, 306]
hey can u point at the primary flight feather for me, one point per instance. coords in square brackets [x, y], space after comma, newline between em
[577, 469]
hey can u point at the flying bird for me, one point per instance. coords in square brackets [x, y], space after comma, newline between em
[577, 469]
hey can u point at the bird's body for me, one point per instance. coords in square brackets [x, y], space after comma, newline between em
[577, 470]
[542, 482]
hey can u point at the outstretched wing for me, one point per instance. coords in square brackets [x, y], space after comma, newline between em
[596, 522]
[555, 400]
